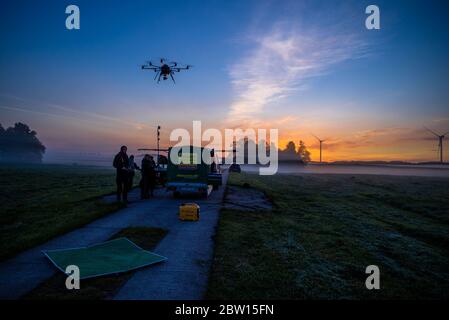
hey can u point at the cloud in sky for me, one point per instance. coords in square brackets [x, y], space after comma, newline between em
[382, 137]
[280, 63]
[68, 113]
[442, 119]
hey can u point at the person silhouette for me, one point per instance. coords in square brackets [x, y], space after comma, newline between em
[121, 164]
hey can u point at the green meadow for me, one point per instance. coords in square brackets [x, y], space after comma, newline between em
[316, 242]
[39, 202]
[324, 230]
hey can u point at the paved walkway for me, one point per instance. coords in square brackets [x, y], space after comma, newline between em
[188, 247]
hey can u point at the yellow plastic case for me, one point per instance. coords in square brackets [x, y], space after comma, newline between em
[189, 212]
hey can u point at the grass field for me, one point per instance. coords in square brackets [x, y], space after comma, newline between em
[42, 201]
[324, 230]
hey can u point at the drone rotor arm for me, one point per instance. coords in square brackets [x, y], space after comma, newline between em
[146, 67]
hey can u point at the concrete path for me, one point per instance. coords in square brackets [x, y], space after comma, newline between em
[188, 247]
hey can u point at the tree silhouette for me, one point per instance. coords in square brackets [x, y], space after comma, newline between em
[303, 153]
[290, 148]
[20, 144]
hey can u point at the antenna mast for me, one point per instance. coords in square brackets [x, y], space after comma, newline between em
[158, 139]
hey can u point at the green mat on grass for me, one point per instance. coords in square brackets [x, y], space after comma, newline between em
[110, 257]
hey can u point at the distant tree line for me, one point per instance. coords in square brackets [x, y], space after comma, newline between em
[20, 144]
[291, 153]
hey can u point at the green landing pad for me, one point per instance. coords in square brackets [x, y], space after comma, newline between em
[110, 257]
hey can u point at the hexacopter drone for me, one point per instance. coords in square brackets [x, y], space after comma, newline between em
[165, 69]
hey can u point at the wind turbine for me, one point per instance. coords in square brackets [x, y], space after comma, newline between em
[321, 145]
[440, 141]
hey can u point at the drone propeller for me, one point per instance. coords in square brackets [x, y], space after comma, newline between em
[180, 65]
[186, 67]
[159, 60]
[149, 67]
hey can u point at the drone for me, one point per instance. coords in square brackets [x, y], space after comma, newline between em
[165, 69]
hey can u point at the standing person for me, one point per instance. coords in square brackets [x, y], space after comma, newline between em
[131, 171]
[145, 182]
[213, 167]
[121, 164]
[152, 175]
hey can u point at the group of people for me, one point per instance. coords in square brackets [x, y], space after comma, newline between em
[126, 168]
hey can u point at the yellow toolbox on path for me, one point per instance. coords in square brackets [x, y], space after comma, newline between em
[189, 212]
